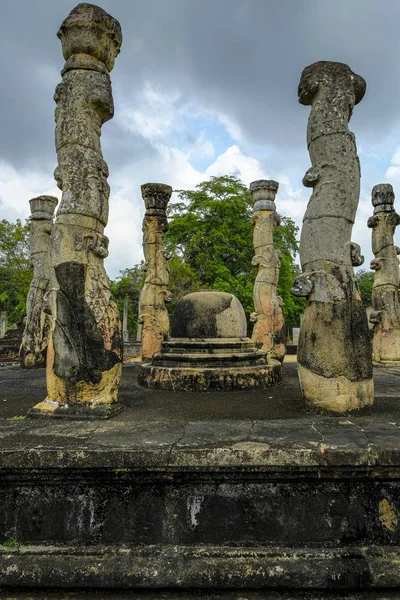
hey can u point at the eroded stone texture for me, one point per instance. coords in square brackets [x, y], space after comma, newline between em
[385, 293]
[209, 349]
[38, 321]
[269, 325]
[85, 345]
[153, 314]
[334, 353]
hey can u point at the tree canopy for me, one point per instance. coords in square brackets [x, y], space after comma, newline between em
[211, 230]
[365, 282]
[15, 270]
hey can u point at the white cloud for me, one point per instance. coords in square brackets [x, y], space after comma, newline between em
[18, 187]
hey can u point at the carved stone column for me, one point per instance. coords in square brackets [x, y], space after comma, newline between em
[85, 346]
[334, 353]
[385, 293]
[35, 338]
[269, 325]
[153, 314]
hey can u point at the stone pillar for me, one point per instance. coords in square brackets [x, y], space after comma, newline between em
[269, 331]
[153, 314]
[38, 322]
[125, 333]
[334, 353]
[3, 323]
[385, 293]
[84, 357]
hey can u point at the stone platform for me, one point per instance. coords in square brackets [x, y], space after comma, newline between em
[218, 495]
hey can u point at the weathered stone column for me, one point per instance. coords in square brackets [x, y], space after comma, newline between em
[269, 325]
[125, 332]
[3, 323]
[85, 346]
[334, 353]
[153, 314]
[35, 339]
[385, 293]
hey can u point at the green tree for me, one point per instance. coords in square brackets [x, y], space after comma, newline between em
[183, 280]
[211, 230]
[128, 286]
[15, 270]
[365, 282]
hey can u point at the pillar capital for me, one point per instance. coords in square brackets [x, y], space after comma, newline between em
[91, 31]
[382, 198]
[263, 192]
[43, 207]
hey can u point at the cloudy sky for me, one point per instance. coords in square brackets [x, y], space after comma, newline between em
[201, 88]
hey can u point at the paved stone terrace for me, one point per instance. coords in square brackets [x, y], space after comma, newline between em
[158, 428]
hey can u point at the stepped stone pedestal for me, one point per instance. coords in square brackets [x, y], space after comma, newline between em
[208, 349]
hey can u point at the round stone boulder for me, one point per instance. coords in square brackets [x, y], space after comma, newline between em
[209, 314]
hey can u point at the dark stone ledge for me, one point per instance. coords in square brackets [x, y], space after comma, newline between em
[202, 568]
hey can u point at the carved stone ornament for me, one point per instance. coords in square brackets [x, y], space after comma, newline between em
[153, 314]
[269, 331]
[84, 358]
[38, 322]
[385, 293]
[334, 352]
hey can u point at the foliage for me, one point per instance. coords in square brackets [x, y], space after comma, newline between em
[128, 286]
[365, 282]
[211, 230]
[15, 270]
[183, 280]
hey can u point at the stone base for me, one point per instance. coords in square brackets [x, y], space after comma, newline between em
[46, 409]
[203, 364]
[335, 394]
[203, 379]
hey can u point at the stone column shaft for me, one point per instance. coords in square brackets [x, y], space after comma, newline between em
[84, 358]
[334, 352]
[3, 323]
[385, 293]
[269, 331]
[153, 314]
[38, 322]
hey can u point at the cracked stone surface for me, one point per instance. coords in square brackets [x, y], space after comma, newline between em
[255, 428]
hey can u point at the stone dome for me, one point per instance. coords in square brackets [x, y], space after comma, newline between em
[209, 314]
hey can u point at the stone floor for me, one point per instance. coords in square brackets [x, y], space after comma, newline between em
[21, 389]
[174, 428]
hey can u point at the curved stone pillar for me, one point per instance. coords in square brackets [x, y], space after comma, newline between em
[385, 293]
[84, 357]
[334, 352]
[153, 314]
[269, 331]
[35, 338]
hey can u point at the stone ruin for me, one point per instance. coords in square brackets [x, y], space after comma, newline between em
[84, 354]
[79, 323]
[209, 349]
[153, 314]
[38, 319]
[269, 331]
[162, 502]
[334, 352]
[385, 294]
